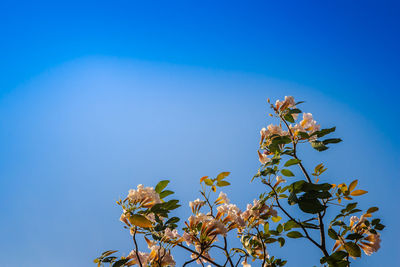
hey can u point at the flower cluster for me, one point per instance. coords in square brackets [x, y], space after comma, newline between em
[158, 256]
[145, 197]
[213, 223]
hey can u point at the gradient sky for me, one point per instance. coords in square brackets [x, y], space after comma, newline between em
[97, 97]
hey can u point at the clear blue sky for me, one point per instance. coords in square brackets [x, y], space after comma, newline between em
[98, 96]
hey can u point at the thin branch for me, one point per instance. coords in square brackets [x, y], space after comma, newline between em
[290, 217]
[136, 247]
[320, 221]
[203, 257]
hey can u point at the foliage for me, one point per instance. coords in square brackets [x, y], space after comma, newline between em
[266, 221]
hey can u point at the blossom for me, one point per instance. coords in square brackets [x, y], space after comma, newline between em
[245, 264]
[279, 179]
[144, 196]
[222, 198]
[263, 157]
[370, 244]
[196, 205]
[171, 234]
[264, 134]
[287, 103]
[309, 124]
[275, 129]
[143, 257]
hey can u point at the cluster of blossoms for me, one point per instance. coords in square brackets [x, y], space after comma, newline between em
[283, 108]
[202, 229]
[369, 242]
[158, 256]
[145, 197]
[146, 212]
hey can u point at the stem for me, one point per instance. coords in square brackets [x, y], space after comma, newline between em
[201, 256]
[192, 260]
[263, 246]
[290, 217]
[136, 247]
[226, 252]
[320, 221]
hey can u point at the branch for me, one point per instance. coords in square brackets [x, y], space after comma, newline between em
[320, 221]
[201, 256]
[136, 247]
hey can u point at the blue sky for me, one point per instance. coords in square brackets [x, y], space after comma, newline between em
[96, 97]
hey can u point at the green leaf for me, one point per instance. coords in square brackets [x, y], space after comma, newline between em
[312, 206]
[351, 206]
[318, 145]
[332, 234]
[279, 228]
[294, 234]
[120, 263]
[289, 118]
[222, 175]
[332, 141]
[171, 204]
[289, 225]
[165, 193]
[291, 162]
[140, 221]
[372, 210]
[222, 183]
[172, 220]
[281, 241]
[352, 249]
[161, 185]
[266, 227]
[287, 172]
[108, 253]
[292, 199]
[354, 236]
[324, 132]
[306, 187]
[276, 219]
[208, 182]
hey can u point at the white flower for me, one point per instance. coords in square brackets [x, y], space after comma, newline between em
[245, 264]
[263, 158]
[222, 198]
[279, 179]
[371, 244]
[145, 196]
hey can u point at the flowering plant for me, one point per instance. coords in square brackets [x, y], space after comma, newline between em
[268, 220]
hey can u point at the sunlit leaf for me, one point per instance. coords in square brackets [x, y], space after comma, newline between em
[372, 210]
[223, 183]
[358, 192]
[140, 221]
[208, 182]
[203, 178]
[353, 185]
[276, 219]
[222, 175]
[161, 185]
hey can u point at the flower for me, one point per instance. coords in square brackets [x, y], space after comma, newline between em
[196, 205]
[171, 235]
[371, 243]
[144, 196]
[222, 198]
[263, 158]
[287, 103]
[275, 129]
[245, 264]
